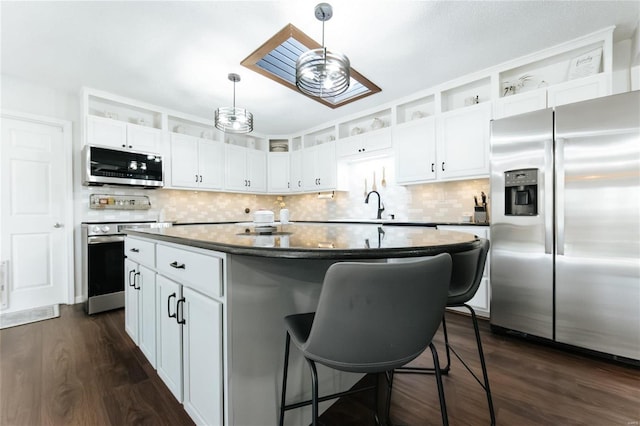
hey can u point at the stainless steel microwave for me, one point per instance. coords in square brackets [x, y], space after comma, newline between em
[104, 166]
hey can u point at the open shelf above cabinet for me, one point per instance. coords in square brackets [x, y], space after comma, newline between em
[416, 109]
[364, 124]
[465, 95]
[120, 111]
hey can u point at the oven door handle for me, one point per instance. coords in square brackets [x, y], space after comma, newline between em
[105, 239]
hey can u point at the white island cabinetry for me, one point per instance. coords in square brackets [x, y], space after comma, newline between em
[190, 306]
[185, 314]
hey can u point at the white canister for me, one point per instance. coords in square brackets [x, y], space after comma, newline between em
[284, 216]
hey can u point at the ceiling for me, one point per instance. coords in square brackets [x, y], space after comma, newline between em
[177, 54]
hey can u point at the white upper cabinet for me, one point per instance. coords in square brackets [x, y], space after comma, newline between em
[196, 163]
[245, 169]
[278, 172]
[366, 143]
[319, 171]
[463, 142]
[415, 151]
[115, 122]
[571, 72]
[296, 170]
[578, 90]
[120, 135]
[363, 136]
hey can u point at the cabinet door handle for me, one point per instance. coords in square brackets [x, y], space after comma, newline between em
[196, 178]
[245, 182]
[124, 146]
[433, 167]
[299, 183]
[177, 265]
[135, 250]
[200, 178]
[443, 166]
[180, 312]
[249, 182]
[137, 274]
[288, 185]
[171, 315]
[133, 271]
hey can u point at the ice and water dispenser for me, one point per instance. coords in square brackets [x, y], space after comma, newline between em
[521, 192]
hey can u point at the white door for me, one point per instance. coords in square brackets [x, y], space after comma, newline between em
[235, 163]
[131, 302]
[257, 170]
[146, 289]
[211, 164]
[184, 161]
[203, 374]
[35, 223]
[415, 149]
[169, 335]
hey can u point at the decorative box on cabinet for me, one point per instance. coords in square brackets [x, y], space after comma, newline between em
[196, 163]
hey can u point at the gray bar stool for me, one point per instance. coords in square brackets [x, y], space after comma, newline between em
[466, 276]
[371, 318]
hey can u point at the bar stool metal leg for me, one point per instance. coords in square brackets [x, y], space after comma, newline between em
[283, 398]
[443, 404]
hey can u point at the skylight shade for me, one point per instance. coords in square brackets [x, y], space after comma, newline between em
[276, 59]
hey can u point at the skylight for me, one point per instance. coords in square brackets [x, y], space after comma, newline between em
[276, 59]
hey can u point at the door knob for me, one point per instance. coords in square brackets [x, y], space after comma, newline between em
[58, 225]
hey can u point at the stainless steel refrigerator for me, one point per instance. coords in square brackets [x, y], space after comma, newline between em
[565, 224]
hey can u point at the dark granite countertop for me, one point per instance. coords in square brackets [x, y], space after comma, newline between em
[316, 240]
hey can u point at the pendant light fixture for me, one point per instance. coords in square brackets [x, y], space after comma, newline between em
[232, 119]
[321, 73]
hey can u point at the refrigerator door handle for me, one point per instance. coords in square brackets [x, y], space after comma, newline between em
[560, 196]
[548, 197]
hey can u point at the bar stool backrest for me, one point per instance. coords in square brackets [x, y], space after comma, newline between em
[466, 275]
[374, 317]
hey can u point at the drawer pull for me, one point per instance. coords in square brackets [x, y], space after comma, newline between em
[135, 250]
[177, 265]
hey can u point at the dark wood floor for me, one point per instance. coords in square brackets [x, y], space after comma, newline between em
[81, 370]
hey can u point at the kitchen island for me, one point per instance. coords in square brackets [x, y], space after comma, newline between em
[222, 291]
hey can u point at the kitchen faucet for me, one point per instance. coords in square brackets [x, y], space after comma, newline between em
[380, 204]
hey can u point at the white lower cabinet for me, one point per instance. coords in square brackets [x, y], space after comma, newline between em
[169, 336]
[190, 350]
[140, 311]
[174, 313]
[202, 354]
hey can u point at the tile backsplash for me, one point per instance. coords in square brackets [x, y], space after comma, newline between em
[431, 202]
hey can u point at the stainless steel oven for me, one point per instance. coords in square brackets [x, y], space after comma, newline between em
[103, 264]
